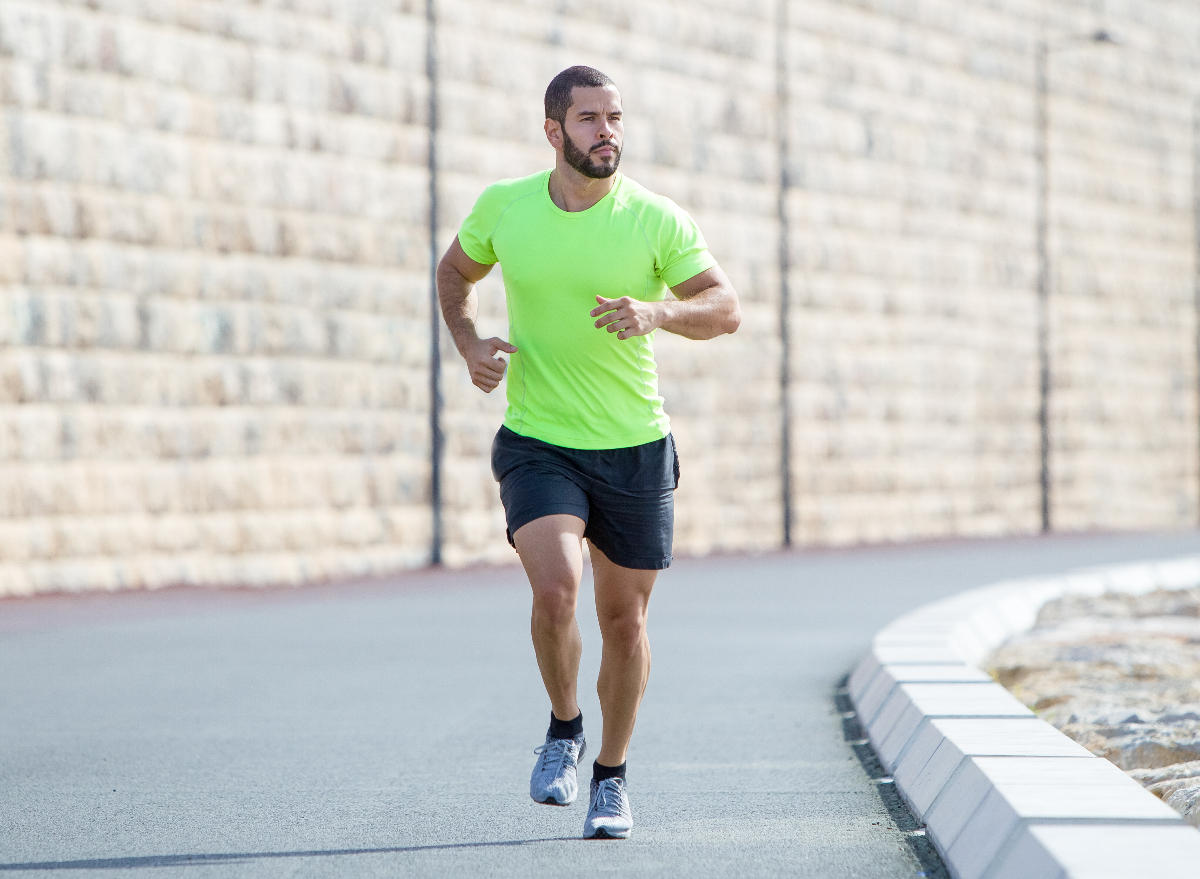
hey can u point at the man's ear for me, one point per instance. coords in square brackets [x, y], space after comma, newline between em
[554, 133]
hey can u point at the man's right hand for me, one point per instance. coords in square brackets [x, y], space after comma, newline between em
[485, 367]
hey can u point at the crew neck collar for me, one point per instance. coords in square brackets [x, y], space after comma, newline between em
[574, 214]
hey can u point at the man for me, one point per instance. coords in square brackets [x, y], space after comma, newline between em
[585, 450]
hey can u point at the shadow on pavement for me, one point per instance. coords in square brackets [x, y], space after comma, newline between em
[914, 832]
[243, 857]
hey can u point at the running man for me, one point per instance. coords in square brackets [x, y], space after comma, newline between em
[585, 451]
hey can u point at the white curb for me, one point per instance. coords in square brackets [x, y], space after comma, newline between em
[1002, 794]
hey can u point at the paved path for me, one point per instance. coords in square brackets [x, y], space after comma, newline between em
[387, 729]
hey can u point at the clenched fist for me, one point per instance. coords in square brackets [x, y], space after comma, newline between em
[628, 317]
[485, 367]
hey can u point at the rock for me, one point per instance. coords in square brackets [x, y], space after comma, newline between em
[1139, 746]
[1186, 801]
[1160, 603]
[1120, 674]
[1154, 779]
[1177, 785]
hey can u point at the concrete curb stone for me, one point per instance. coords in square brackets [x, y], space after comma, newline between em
[1003, 794]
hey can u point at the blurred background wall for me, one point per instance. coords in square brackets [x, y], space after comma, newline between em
[217, 220]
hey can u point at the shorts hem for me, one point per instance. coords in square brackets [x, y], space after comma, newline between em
[659, 563]
[519, 522]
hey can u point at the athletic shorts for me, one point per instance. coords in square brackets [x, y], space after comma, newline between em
[624, 496]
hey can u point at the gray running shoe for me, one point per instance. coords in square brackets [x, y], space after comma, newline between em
[608, 815]
[555, 775]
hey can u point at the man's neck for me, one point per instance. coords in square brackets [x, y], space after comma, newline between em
[574, 192]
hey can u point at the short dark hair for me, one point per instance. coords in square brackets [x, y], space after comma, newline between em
[558, 93]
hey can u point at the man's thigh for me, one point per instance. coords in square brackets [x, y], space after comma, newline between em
[621, 593]
[551, 550]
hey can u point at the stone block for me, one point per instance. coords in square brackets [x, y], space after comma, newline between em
[1101, 851]
[934, 651]
[911, 704]
[942, 744]
[873, 696]
[1177, 573]
[863, 676]
[972, 829]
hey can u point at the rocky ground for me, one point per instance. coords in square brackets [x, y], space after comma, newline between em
[1120, 674]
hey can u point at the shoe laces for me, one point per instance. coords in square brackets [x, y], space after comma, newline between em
[554, 752]
[609, 797]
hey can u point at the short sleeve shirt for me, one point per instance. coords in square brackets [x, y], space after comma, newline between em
[571, 384]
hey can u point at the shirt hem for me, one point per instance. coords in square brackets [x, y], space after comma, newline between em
[466, 248]
[653, 434]
[689, 269]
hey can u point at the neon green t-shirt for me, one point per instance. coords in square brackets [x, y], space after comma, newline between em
[570, 384]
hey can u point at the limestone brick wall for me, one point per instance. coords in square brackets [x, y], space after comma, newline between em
[911, 213]
[914, 267]
[214, 292]
[1124, 284]
[214, 270]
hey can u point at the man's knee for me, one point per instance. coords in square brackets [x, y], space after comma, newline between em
[624, 630]
[554, 603]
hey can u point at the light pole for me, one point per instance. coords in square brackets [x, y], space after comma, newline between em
[1196, 238]
[436, 439]
[785, 351]
[1041, 151]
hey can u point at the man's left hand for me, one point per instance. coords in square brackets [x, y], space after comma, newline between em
[627, 317]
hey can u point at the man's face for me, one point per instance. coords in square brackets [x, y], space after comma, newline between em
[593, 132]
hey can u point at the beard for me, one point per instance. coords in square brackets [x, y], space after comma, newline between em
[582, 162]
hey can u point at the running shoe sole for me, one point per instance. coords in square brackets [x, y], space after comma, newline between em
[601, 833]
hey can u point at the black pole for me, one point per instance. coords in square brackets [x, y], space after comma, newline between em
[785, 358]
[1041, 156]
[435, 321]
[1196, 235]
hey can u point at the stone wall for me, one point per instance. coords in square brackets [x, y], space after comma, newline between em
[913, 232]
[214, 271]
[1123, 243]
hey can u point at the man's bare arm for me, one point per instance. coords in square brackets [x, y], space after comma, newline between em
[705, 305]
[457, 275]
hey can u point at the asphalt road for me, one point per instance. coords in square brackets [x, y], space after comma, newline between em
[387, 729]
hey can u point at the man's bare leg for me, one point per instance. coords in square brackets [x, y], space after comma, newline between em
[551, 550]
[622, 601]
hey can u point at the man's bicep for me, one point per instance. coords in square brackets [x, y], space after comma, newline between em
[707, 279]
[470, 269]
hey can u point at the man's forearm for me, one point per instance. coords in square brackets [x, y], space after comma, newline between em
[707, 314]
[460, 305]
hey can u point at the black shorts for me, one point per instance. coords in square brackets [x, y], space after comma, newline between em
[624, 496]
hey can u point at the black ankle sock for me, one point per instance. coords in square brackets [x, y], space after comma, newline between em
[599, 773]
[565, 729]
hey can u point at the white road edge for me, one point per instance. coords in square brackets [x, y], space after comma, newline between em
[1003, 794]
